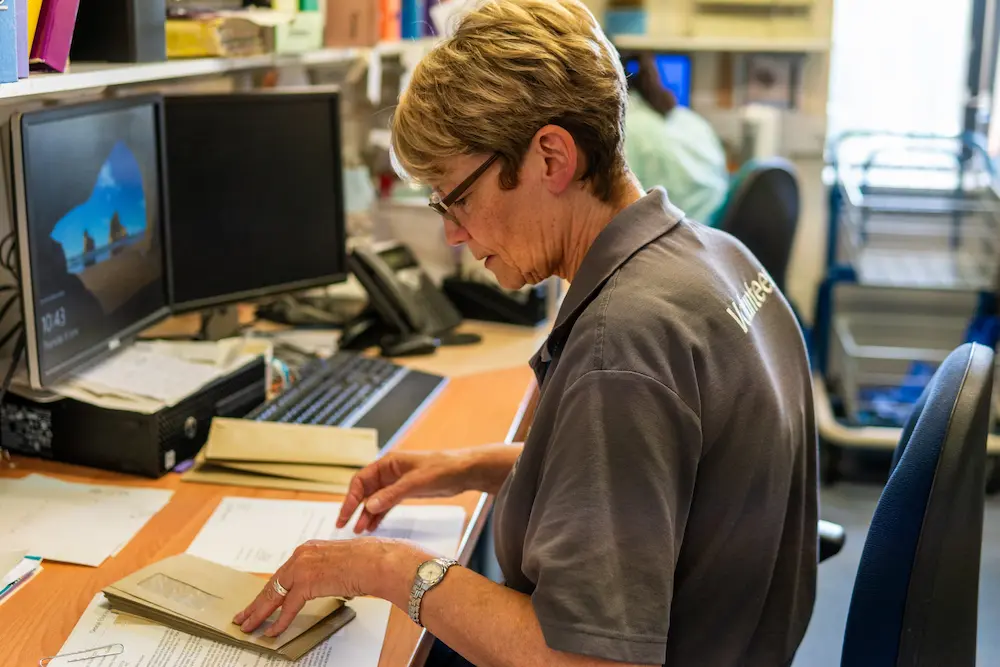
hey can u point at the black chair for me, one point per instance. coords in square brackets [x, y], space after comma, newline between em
[762, 211]
[916, 593]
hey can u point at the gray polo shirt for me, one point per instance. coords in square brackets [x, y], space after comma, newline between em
[664, 508]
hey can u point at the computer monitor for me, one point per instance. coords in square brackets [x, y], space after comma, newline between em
[256, 195]
[89, 206]
[675, 74]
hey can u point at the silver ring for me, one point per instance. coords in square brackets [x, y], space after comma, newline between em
[278, 588]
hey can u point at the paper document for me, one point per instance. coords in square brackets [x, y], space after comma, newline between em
[16, 570]
[358, 644]
[142, 372]
[259, 535]
[149, 376]
[73, 523]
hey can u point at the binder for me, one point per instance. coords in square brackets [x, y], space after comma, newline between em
[23, 47]
[120, 31]
[8, 42]
[34, 9]
[54, 35]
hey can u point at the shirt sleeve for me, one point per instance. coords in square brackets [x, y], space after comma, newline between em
[606, 524]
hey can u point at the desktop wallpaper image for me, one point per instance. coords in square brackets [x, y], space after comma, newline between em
[109, 235]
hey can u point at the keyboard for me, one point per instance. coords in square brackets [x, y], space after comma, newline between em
[348, 390]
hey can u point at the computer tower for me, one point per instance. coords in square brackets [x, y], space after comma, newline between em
[120, 31]
[151, 445]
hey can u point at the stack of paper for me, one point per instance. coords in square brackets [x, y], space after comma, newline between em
[201, 598]
[73, 523]
[149, 376]
[16, 569]
[358, 644]
[232, 536]
[300, 457]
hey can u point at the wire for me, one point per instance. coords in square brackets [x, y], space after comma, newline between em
[7, 304]
[10, 334]
[15, 359]
[9, 237]
[9, 261]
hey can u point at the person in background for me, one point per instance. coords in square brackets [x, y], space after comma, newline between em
[672, 146]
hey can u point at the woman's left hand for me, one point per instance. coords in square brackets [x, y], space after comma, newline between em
[338, 568]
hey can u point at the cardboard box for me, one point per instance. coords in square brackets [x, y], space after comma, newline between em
[352, 23]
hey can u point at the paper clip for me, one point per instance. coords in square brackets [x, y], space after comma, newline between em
[83, 656]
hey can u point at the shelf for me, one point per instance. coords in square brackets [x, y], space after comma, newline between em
[83, 76]
[721, 44]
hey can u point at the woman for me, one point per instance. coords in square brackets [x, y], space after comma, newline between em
[663, 508]
[672, 146]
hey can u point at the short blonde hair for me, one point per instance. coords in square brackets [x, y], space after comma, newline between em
[512, 67]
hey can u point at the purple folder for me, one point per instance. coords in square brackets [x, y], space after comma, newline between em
[21, 12]
[54, 34]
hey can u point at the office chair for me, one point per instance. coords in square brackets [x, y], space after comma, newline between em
[916, 593]
[762, 211]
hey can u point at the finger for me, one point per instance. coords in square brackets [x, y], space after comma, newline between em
[364, 521]
[262, 607]
[289, 610]
[385, 499]
[364, 483]
[376, 522]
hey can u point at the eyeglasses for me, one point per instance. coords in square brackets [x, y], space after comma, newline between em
[442, 204]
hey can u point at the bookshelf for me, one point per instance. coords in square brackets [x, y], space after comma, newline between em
[722, 44]
[84, 76]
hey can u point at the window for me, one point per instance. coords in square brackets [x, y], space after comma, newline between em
[899, 65]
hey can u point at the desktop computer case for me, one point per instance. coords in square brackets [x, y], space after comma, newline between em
[149, 445]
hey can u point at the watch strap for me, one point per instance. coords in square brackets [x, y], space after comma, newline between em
[420, 587]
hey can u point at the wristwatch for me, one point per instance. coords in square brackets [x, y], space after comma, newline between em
[429, 574]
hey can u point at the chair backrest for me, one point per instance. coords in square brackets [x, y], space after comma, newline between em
[762, 211]
[916, 593]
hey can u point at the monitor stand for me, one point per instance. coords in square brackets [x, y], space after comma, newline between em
[218, 323]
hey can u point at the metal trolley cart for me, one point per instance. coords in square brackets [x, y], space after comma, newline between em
[911, 273]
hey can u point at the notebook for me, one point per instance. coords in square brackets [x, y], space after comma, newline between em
[23, 47]
[54, 35]
[8, 42]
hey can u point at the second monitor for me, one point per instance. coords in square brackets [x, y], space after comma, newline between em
[256, 197]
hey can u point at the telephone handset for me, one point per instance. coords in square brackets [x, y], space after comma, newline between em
[404, 303]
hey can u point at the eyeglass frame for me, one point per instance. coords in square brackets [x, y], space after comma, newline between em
[443, 204]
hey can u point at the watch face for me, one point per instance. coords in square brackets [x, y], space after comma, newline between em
[430, 571]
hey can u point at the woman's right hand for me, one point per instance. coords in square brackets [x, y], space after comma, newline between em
[382, 485]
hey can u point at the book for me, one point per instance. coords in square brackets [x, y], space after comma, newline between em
[54, 35]
[34, 9]
[23, 47]
[8, 42]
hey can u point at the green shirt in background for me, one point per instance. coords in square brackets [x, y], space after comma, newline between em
[681, 153]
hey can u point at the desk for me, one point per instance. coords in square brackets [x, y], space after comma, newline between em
[476, 408]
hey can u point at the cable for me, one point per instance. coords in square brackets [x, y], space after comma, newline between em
[15, 359]
[9, 261]
[10, 334]
[9, 237]
[7, 304]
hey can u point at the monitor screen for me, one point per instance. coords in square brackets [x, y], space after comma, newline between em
[675, 74]
[256, 202]
[89, 207]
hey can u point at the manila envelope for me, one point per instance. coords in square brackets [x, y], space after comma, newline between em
[252, 441]
[229, 473]
[201, 598]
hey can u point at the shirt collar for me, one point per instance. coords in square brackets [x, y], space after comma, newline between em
[634, 228]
